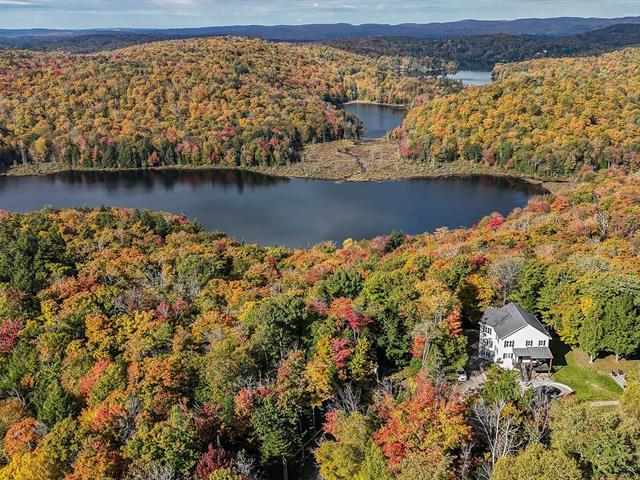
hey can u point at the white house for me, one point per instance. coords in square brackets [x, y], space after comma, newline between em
[512, 337]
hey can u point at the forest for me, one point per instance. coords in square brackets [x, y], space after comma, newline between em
[232, 102]
[484, 52]
[81, 43]
[136, 345]
[445, 53]
[219, 102]
[547, 117]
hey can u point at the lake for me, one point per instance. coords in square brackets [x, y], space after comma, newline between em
[471, 77]
[377, 119]
[269, 210]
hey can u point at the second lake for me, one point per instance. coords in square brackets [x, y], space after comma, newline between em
[377, 119]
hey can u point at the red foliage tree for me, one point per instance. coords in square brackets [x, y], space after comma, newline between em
[428, 423]
[496, 221]
[23, 436]
[341, 352]
[342, 310]
[90, 379]
[211, 461]
[208, 422]
[9, 335]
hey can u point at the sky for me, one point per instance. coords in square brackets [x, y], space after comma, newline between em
[195, 13]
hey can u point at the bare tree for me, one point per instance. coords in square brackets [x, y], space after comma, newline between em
[154, 277]
[428, 328]
[603, 218]
[155, 471]
[127, 422]
[506, 272]
[245, 466]
[465, 466]
[389, 386]
[16, 393]
[540, 407]
[348, 400]
[499, 430]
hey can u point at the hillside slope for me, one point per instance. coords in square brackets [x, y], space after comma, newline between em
[547, 116]
[135, 342]
[483, 52]
[221, 101]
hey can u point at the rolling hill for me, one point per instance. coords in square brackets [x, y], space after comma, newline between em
[549, 116]
[219, 101]
[564, 26]
[483, 52]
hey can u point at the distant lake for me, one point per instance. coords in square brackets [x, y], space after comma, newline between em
[377, 119]
[269, 210]
[471, 77]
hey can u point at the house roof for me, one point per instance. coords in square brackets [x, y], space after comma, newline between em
[538, 353]
[509, 319]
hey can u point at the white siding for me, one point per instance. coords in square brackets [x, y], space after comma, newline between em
[519, 339]
[488, 343]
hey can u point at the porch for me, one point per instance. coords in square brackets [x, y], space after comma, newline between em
[533, 361]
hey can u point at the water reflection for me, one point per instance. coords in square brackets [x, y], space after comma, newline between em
[268, 210]
[377, 119]
[472, 77]
[149, 180]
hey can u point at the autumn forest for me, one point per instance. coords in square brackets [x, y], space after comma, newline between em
[137, 345]
[220, 102]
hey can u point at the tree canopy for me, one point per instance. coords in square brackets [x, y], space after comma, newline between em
[135, 342]
[218, 101]
[548, 117]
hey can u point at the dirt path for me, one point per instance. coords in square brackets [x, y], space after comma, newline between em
[357, 152]
[610, 403]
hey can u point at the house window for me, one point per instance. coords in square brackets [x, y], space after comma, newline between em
[542, 343]
[485, 329]
[507, 355]
[529, 343]
[508, 343]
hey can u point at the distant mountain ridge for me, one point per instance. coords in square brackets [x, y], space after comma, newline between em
[552, 27]
[483, 52]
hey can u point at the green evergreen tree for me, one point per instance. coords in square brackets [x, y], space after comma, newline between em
[278, 433]
[621, 326]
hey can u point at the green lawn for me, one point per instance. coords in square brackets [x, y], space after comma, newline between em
[590, 382]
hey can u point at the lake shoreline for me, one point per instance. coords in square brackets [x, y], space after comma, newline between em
[551, 186]
[276, 210]
[341, 161]
[399, 106]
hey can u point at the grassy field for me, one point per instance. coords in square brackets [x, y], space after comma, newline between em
[591, 382]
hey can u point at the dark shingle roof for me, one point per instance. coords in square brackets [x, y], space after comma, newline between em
[538, 353]
[509, 319]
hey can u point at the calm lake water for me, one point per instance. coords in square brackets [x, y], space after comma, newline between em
[470, 77]
[268, 210]
[377, 119]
